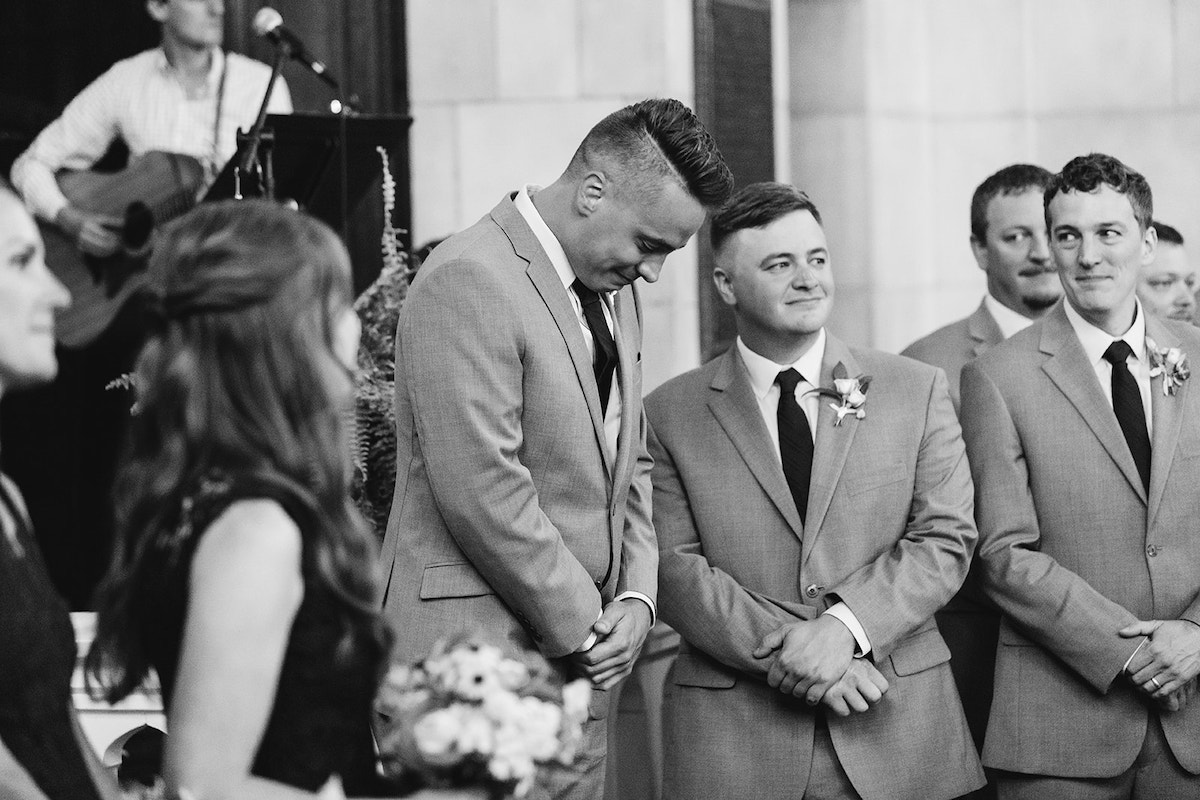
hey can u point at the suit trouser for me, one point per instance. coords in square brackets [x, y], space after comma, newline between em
[1155, 775]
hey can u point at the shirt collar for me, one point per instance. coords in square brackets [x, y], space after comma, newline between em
[1009, 321]
[214, 69]
[1095, 341]
[546, 238]
[763, 370]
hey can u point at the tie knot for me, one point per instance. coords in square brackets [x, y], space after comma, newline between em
[788, 380]
[586, 295]
[1118, 352]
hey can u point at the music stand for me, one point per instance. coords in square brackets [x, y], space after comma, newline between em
[310, 170]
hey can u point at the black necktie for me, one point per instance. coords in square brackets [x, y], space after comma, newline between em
[1127, 403]
[795, 440]
[604, 358]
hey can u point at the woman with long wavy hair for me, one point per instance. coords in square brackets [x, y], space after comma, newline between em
[242, 574]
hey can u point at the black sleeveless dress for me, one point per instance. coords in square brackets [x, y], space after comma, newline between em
[37, 656]
[320, 722]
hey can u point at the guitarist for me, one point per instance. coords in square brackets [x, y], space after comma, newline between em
[186, 96]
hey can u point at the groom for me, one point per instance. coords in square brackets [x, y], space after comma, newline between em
[805, 542]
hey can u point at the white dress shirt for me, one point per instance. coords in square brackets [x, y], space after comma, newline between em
[141, 101]
[1009, 321]
[612, 416]
[763, 372]
[1095, 341]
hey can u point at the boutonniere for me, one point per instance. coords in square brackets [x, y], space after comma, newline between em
[851, 393]
[1170, 363]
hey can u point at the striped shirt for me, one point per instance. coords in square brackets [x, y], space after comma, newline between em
[141, 101]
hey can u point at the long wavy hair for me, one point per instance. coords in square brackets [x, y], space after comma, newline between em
[240, 378]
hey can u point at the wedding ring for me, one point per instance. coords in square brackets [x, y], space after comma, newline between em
[1157, 685]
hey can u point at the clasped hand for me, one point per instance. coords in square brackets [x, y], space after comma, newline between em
[1167, 663]
[620, 631]
[815, 660]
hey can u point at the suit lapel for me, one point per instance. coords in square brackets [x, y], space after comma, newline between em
[547, 283]
[735, 407]
[832, 443]
[983, 330]
[1068, 367]
[1167, 413]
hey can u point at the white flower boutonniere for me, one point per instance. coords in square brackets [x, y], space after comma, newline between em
[851, 393]
[1170, 363]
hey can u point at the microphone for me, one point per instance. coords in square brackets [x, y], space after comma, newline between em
[268, 23]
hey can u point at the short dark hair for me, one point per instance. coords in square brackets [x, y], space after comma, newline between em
[757, 205]
[1087, 173]
[660, 138]
[1013, 179]
[1167, 234]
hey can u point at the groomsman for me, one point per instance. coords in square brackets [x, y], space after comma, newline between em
[1168, 284]
[1008, 238]
[1084, 436]
[808, 529]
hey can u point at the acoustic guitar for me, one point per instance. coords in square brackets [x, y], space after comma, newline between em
[151, 190]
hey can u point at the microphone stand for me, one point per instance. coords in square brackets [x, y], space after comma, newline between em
[260, 139]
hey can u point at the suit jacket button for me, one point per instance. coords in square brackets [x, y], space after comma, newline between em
[813, 590]
[1151, 550]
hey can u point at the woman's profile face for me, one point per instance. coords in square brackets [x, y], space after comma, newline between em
[29, 297]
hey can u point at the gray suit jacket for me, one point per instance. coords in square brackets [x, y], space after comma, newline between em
[509, 515]
[954, 346]
[889, 533]
[1073, 548]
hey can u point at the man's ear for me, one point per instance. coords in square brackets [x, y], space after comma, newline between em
[979, 250]
[157, 9]
[724, 284]
[591, 192]
[1149, 245]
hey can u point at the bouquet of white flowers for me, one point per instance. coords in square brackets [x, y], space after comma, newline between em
[470, 716]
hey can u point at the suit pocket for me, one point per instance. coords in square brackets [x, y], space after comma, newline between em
[455, 579]
[693, 669]
[878, 478]
[920, 652]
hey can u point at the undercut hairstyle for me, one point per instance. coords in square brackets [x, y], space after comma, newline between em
[239, 378]
[1088, 173]
[656, 140]
[1167, 234]
[1013, 179]
[756, 206]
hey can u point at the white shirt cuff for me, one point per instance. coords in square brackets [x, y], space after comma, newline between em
[847, 618]
[631, 595]
[1129, 660]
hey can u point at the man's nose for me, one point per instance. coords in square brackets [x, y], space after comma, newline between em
[1039, 248]
[1089, 252]
[650, 268]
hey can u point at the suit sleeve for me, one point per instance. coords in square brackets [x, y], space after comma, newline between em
[639, 545]
[710, 609]
[462, 343]
[1051, 604]
[902, 588]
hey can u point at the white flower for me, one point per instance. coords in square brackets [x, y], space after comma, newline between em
[435, 735]
[538, 725]
[577, 695]
[501, 706]
[476, 733]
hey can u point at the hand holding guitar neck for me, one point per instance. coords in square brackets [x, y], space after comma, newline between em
[94, 234]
